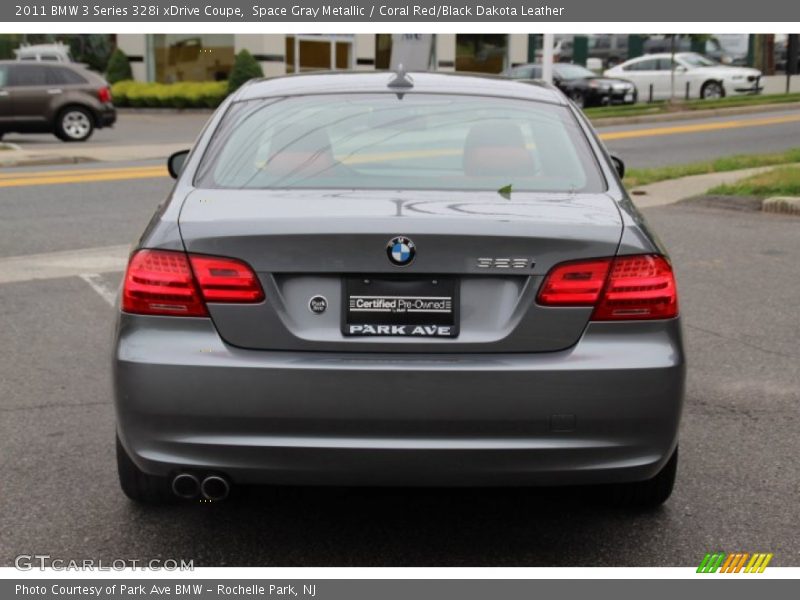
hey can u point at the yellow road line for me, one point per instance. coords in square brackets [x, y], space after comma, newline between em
[57, 173]
[79, 176]
[697, 128]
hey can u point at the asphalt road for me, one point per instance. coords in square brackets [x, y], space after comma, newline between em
[641, 145]
[738, 480]
[132, 127]
[685, 141]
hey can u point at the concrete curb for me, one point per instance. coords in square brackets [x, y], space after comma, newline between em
[43, 161]
[131, 110]
[687, 115]
[101, 154]
[788, 205]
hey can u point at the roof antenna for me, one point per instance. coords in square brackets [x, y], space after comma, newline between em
[401, 79]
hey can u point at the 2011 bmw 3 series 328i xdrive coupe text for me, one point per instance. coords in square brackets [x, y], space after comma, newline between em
[397, 279]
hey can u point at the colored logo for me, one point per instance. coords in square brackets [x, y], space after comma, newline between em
[737, 562]
[401, 251]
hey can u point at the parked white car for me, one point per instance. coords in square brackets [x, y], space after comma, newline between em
[705, 78]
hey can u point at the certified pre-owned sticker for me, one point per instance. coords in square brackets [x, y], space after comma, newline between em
[401, 304]
[318, 305]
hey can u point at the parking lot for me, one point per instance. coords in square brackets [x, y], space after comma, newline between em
[738, 481]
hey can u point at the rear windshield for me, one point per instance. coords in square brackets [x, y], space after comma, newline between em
[391, 141]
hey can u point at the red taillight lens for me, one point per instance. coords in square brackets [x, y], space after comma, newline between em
[104, 95]
[639, 287]
[622, 288]
[226, 279]
[574, 283]
[160, 282]
[166, 282]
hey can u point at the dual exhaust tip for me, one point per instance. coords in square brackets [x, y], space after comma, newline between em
[189, 487]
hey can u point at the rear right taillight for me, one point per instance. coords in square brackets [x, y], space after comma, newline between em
[168, 282]
[638, 287]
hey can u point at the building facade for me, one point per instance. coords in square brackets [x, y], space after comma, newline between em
[206, 57]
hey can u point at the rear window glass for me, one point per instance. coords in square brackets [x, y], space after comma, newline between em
[383, 141]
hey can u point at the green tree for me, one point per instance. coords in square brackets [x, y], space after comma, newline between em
[119, 68]
[245, 68]
[92, 49]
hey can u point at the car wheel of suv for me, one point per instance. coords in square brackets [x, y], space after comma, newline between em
[138, 485]
[712, 90]
[74, 124]
[578, 99]
[645, 494]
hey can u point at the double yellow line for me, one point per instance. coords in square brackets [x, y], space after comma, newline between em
[699, 127]
[25, 178]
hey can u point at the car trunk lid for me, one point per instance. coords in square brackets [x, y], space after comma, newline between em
[494, 248]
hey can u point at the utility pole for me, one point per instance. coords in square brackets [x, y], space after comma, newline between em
[547, 57]
[792, 58]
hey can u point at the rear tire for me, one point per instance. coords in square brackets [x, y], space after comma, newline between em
[138, 485]
[648, 494]
[74, 124]
[712, 90]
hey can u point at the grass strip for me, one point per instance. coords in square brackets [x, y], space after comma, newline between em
[638, 177]
[662, 107]
[782, 181]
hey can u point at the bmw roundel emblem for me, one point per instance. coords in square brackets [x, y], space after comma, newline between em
[401, 251]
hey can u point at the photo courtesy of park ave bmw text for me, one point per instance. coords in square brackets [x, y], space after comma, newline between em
[389, 299]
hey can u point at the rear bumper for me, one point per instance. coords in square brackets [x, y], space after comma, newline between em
[622, 97]
[606, 410]
[107, 116]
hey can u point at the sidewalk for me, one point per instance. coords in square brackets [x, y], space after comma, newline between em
[81, 153]
[675, 190]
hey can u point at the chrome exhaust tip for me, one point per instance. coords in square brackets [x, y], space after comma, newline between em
[185, 485]
[215, 487]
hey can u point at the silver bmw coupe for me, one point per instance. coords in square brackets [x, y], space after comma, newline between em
[397, 279]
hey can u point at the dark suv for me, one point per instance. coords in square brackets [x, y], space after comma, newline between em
[68, 100]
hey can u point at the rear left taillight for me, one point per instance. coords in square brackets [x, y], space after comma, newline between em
[637, 287]
[104, 94]
[168, 282]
